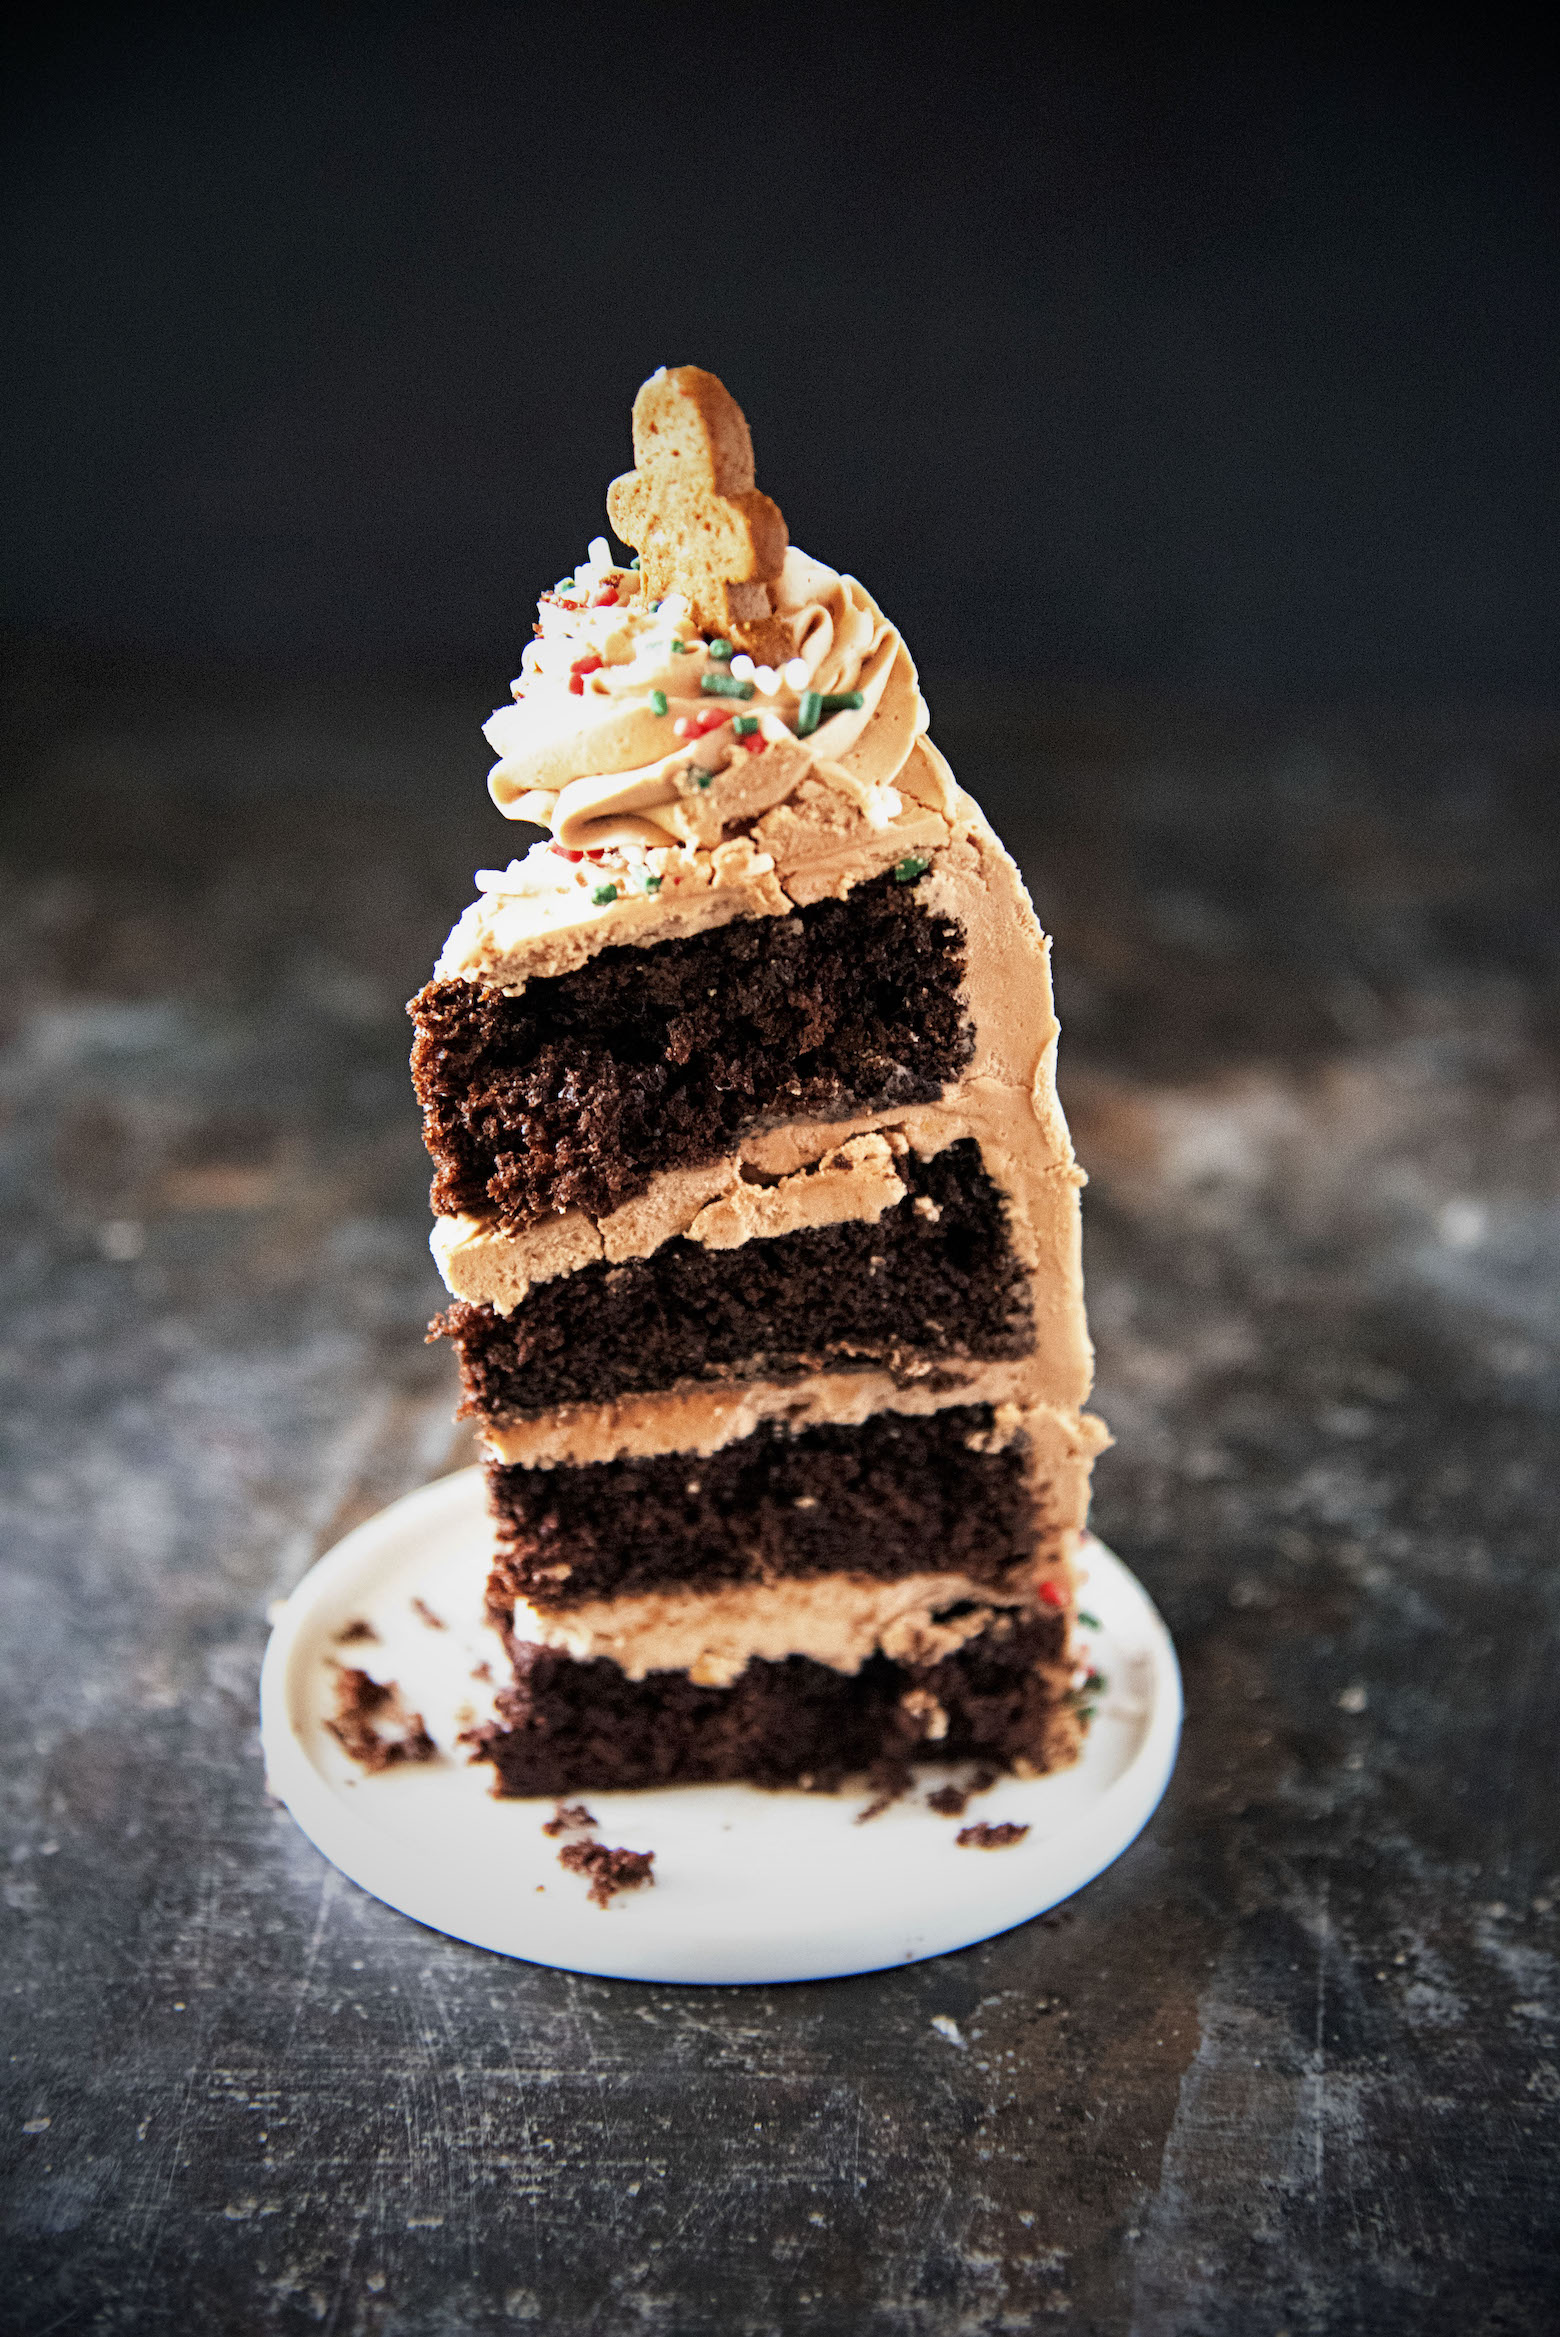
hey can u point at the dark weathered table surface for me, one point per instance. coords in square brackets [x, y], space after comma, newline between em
[1292, 2065]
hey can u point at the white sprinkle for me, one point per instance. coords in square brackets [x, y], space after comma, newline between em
[798, 673]
[600, 552]
[743, 669]
[540, 871]
[949, 2028]
[1352, 1699]
[765, 676]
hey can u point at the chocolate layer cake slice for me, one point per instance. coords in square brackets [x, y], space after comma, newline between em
[755, 1203]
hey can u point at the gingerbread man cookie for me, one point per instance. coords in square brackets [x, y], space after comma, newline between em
[692, 513]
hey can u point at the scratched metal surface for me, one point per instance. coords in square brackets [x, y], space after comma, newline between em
[1293, 2065]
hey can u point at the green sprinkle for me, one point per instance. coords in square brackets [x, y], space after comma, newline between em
[564, 584]
[842, 701]
[720, 649]
[809, 713]
[745, 725]
[602, 893]
[653, 884]
[914, 864]
[634, 563]
[679, 648]
[703, 777]
[1089, 1622]
[654, 605]
[658, 701]
[722, 686]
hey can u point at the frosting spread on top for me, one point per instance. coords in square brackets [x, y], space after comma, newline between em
[632, 734]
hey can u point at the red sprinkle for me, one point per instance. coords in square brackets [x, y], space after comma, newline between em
[586, 665]
[564, 854]
[1053, 1594]
[605, 599]
[755, 745]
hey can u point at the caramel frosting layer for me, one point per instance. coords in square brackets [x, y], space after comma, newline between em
[722, 1206]
[1060, 1444]
[703, 1416]
[836, 1619]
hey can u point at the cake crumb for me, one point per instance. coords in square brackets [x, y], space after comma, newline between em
[984, 1837]
[610, 1871]
[889, 1781]
[425, 1614]
[484, 1671]
[568, 1817]
[360, 1701]
[357, 1630]
[951, 1800]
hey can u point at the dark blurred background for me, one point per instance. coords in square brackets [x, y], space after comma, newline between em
[1143, 353]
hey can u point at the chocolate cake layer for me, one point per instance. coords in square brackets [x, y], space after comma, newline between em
[576, 1092]
[938, 1280]
[884, 1499]
[567, 1726]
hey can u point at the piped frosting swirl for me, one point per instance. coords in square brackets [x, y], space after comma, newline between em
[626, 732]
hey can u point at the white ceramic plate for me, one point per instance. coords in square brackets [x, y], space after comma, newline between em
[749, 1886]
